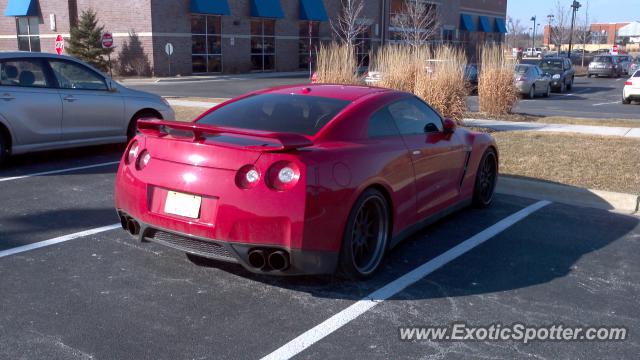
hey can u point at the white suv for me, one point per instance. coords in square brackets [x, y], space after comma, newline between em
[534, 52]
[631, 89]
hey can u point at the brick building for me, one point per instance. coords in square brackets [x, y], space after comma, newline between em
[234, 36]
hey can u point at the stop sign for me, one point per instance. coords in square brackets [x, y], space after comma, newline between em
[615, 50]
[107, 40]
[59, 44]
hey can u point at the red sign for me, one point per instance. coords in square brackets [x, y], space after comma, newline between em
[107, 40]
[59, 44]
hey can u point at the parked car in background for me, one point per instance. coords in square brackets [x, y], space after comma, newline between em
[561, 71]
[531, 81]
[52, 102]
[624, 62]
[635, 65]
[631, 90]
[471, 74]
[534, 52]
[604, 65]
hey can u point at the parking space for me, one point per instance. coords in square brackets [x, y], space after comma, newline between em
[107, 296]
[594, 98]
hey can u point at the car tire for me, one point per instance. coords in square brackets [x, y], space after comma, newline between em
[132, 130]
[4, 149]
[570, 84]
[547, 93]
[366, 236]
[563, 88]
[532, 92]
[626, 101]
[486, 179]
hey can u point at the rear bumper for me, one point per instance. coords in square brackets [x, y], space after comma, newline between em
[607, 72]
[301, 262]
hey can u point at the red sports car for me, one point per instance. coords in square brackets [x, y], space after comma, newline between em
[301, 179]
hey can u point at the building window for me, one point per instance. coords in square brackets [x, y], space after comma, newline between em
[263, 45]
[400, 21]
[309, 33]
[363, 46]
[28, 33]
[206, 43]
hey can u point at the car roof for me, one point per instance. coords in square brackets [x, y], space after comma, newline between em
[332, 91]
[28, 54]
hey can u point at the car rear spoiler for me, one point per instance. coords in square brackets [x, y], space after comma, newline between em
[199, 132]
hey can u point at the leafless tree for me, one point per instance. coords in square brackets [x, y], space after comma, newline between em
[419, 22]
[516, 33]
[348, 25]
[561, 26]
[583, 30]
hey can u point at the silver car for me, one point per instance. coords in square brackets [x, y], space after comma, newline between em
[49, 101]
[530, 81]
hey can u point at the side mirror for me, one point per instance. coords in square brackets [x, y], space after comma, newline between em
[449, 126]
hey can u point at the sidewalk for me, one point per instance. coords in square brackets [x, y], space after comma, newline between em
[565, 128]
[156, 80]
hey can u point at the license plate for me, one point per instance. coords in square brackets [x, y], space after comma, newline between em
[183, 204]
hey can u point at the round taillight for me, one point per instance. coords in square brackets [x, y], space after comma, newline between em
[247, 177]
[283, 175]
[143, 160]
[132, 153]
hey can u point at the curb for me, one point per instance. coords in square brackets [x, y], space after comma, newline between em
[570, 195]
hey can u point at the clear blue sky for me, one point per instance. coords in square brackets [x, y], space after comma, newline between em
[599, 10]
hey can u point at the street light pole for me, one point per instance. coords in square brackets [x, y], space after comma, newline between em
[574, 8]
[533, 42]
[550, 19]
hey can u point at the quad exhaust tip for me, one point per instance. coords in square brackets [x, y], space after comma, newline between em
[262, 260]
[129, 224]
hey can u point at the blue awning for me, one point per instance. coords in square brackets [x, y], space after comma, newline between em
[466, 22]
[313, 10]
[501, 25]
[21, 8]
[485, 24]
[266, 9]
[214, 7]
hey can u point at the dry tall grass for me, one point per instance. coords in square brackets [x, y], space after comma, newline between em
[398, 65]
[337, 64]
[442, 83]
[497, 93]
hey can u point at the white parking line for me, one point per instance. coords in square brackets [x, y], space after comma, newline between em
[345, 316]
[607, 103]
[58, 171]
[29, 247]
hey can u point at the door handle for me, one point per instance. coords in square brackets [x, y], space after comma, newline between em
[70, 98]
[7, 97]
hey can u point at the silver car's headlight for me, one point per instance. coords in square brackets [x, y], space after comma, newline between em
[556, 76]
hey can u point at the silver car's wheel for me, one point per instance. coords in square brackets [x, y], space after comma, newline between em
[532, 92]
[4, 148]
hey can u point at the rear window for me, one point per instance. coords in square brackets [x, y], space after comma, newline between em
[602, 59]
[300, 114]
[637, 74]
[522, 69]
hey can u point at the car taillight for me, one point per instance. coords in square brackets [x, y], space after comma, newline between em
[132, 153]
[247, 177]
[283, 175]
[628, 83]
[143, 160]
[521, 78]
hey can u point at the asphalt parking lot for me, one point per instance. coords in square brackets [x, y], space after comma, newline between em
[589, 98]
[105, 296]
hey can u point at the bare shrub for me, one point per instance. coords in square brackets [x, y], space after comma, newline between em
[497, 93]
[441, 83]
[398, 66]
[337, 64]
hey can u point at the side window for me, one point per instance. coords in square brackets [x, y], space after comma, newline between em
[23, 72]
[75, 76]
[381, 124]
[414, 117]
